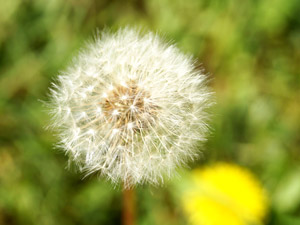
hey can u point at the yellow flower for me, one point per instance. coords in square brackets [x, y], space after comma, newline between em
[225, 194]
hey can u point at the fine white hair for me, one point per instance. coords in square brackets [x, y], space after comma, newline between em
[130, 107]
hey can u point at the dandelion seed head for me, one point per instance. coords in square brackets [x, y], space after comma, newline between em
[131, 108]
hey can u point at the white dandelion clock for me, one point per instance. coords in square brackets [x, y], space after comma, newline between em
[131, 108]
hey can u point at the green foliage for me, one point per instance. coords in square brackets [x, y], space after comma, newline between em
[250, 49]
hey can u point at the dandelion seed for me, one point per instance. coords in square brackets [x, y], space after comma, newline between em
[83, 95]
[131, 90]
[98, 111]
[115, 112]
[124, 97]
[130, 125]
[91, 132]
[83, 115]
[90, 88]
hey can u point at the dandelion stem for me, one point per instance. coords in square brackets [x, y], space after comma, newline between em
[128, 206]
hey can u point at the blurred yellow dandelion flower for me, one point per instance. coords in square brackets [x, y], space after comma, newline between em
[225, 194]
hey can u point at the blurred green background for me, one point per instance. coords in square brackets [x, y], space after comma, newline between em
[250, 49]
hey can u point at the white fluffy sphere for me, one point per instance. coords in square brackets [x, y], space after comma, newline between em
[130, 107]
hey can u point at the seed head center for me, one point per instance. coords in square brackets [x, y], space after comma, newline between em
[128, 106]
